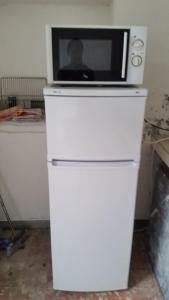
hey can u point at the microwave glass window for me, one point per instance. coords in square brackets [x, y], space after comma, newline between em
[88, 56]
[77, 54]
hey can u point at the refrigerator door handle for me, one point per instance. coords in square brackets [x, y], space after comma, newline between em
[54, 162]
[110, 163]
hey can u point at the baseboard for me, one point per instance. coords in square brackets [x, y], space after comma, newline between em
[27, 224]
[138, 224]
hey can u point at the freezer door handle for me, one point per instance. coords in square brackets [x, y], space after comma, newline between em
[110, 163]
[54, 162]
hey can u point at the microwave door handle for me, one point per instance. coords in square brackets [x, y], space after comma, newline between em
[124, 55]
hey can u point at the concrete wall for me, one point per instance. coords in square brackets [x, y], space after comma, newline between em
[23, 171]
[154, 15]
[22, 32]
[23, 167]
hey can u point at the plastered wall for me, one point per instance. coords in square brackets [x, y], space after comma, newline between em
[22, 53]
[154, 15]
[23, 157]
[22, 32]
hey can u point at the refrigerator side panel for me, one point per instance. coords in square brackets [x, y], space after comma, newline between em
[91, 128]
[92, 213]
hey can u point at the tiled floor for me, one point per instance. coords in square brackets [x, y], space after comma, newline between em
[27, 275]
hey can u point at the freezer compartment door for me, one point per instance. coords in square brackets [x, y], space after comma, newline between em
[92, 211]
[94, 128]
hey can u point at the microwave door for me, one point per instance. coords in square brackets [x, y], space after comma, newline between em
[124, 57]
[98, 55]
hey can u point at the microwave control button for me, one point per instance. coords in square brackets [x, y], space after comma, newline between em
[138, 44]
[136, 60]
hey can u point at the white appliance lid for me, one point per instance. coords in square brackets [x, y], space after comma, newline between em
[94, 91]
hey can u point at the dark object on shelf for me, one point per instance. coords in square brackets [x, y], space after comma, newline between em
[12, 101]
[38, 104]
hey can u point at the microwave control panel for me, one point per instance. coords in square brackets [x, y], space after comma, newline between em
[136, 60]
[137, 55]
[138, 44]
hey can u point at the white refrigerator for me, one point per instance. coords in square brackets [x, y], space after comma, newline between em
[93, 144]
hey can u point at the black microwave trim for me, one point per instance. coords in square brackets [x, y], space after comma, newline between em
[87, 33]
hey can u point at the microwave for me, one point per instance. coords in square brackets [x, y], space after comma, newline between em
[94, 55]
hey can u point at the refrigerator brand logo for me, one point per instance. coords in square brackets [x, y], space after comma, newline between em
[57, 92]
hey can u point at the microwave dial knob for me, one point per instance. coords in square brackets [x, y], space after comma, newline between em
[138, 44]
[136, 60]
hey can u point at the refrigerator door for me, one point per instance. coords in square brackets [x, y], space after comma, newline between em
[94, 128]
[92, 212]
